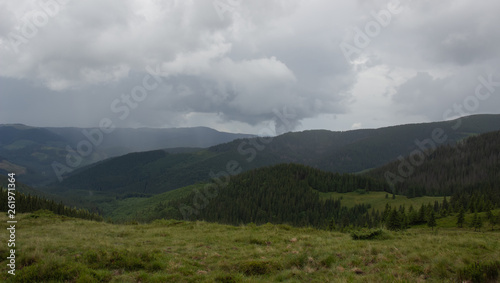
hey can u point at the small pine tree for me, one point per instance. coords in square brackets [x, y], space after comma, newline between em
[445, 206]
[421, 214]
[394, 222]
[474, 220]
[387, 212]
[461, 218]
[331, 224]
[477, 222]
[432, 220]
[491, 218]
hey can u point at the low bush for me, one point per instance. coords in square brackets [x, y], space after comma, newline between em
[367, 234]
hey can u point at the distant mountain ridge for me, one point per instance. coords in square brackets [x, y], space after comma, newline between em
[31, 151]
[343, 152]
[145, 139]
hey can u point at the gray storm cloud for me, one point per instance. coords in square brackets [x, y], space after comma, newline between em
[238, 63]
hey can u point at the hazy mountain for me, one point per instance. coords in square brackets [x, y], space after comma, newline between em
[125, 140]
[351, 151]
[30, 152]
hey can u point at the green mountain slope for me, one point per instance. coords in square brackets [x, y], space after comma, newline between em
[31, 152]
[350, 151]
[466, 172]
[301, 195]
[285, 193]
[471, 165]
[20, 187]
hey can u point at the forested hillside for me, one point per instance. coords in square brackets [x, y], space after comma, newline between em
[344, 152]
[468, 173]
[285, 193]
[31, 152]
[290, 194]
[469, 170]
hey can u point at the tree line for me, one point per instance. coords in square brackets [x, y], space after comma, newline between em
[290, 194]
[30, 203]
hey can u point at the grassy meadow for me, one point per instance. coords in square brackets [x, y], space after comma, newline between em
[52, 248]
[378, 201]
[140, 209]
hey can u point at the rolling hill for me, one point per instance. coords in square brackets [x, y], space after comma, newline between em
[351, 151]
[31, 152]
[471, 165]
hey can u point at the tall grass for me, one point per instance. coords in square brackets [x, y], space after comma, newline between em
[56, 249]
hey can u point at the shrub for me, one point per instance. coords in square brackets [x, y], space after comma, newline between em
[367, 234]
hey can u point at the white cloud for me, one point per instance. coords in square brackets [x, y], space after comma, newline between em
[261, 55]
[356, 125]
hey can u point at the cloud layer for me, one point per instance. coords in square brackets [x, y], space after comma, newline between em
[232, 64]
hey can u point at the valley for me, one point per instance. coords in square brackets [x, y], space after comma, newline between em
[232, 141]
[253, 211]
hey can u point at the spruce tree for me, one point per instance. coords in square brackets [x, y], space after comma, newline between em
[432, 220]
[394, 222]
[474, 220]
[331, 224]
[461, 218]
[479, 223]
[445, 206]
[421, 214]
[490, 217]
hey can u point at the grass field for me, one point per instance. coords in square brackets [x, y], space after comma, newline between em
[52, 248]
[378, 200]
[141, 208]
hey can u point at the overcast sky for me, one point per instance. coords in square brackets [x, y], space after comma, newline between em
[242, 66]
